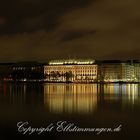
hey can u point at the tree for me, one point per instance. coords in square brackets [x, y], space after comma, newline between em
[55, 75]
[68, 76]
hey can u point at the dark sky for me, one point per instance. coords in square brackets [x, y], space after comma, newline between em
[45, 29]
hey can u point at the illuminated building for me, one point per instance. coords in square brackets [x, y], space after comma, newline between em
[110, 71]
[137, 71]
[71, 71]
[128, 72]
[116, 71]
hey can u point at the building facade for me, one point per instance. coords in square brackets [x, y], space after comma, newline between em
[119, 71]
[71, 71]
[28, 71]
[5, 71]
[137, 71]
[110, 72]
[128, 74]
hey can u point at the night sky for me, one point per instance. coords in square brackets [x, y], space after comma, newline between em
[47, 29]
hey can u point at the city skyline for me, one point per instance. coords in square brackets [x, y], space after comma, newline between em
[41, 29]
[72, 70]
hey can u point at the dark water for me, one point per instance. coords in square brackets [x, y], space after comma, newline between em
[85, 105]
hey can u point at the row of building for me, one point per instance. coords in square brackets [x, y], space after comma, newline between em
[72, 70]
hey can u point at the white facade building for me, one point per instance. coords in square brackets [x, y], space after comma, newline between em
[71, 70]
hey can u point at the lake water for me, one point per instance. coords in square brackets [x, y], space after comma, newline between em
[85, 105]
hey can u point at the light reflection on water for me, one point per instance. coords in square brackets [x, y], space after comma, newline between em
[126, 92]
[87, 98]
[70, 98]
[88, 105]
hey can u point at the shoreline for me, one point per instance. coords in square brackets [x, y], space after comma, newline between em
[119, 82]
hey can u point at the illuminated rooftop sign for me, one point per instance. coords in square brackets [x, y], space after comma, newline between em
[72, 61]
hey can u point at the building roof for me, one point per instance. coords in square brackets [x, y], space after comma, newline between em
[72, 61]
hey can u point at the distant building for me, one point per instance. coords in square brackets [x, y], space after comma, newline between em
[137, 71]
[71, 71]
[110, 71]
[5, 71]
[128, 74]
[27, 71]
[115, 71]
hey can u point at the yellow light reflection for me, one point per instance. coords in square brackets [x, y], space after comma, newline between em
[131, 92]
[71, 98]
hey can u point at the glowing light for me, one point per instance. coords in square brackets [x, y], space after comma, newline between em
[71, 61]
[70, 98]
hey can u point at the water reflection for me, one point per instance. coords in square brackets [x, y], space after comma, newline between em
[131, 94]
[65, 98]
[70, 98]
[127, 92]
[86, 98]
[22, 94]
[89, 105]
